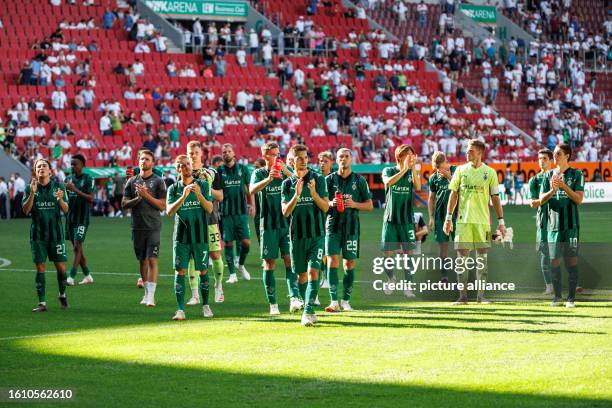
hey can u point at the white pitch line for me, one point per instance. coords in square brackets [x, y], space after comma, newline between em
[594, 291]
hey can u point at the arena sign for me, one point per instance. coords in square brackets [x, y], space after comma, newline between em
[482, 14]
[200, 8]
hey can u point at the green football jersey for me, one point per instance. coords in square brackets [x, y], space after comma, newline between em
[535, 186]
[235, 180]
[438, 185]
[475, 186]
[269, 201]
[563, 212]
[191, 220]
[79, 208]
[399, 207]
[354, 187]
[46, 213]
[306, 220]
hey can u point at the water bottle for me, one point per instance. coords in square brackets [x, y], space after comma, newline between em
[339, 201]
[277, 167]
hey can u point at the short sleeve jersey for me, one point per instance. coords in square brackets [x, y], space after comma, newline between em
[475, 186]
[79, 208]
[190, 221]
[306, 220]
[144, 216]
[235, 179]
[562, 211]
[354, 187]
[269, 201]
[46, 213]
[438, 185]
[535, 186]
[399, 207]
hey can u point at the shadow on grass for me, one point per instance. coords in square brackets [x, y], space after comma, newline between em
[107, 383]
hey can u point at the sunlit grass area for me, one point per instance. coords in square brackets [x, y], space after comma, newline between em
[111, 351]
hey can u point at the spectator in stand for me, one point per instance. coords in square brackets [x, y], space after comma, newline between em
[58, 99]
[422, 12]
[108, 18]
[105, 125]
[142, 48]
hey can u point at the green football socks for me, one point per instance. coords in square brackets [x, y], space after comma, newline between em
[347, 284]
[204, 288]
[292, 285]
[244, 251]
[61, 282]
[311, 294]
[193, 274]
[302, 289]
[40, 286]
[179, 291]
[270, 286]
[332, 279]
[229, 257]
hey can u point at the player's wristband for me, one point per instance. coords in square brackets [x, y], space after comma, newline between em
[449, 217]
[500, 222]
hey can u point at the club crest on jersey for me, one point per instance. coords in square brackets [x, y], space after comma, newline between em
[354, 186]
[485, 176]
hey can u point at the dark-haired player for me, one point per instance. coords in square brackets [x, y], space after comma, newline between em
[80, 187]
[145, 194]
[545, 160]
[236, 208]
[44, 200]
[563, 190]
[342, 238]
[304, 200]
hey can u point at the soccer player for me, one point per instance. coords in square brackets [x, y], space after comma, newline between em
[437, 203]
[472, 185]
[213, 178]
[342, 228]
[398, 232]
[145, 194]
[266, 183]
[190, 200]
[545, 158]
[305, 202]
[258, 164]
[80, 188]
[44, 199]
[235, 211]
[563, 190]
[326, 162]
[421, 232]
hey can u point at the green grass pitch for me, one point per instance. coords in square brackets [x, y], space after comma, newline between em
[111, 351]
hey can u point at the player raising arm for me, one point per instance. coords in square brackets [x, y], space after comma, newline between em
[305, 202]
[398, 232]
[44, 200]
[563, 190]
[190, 201]
[351, 195]
[472, 185]
[266, 184]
